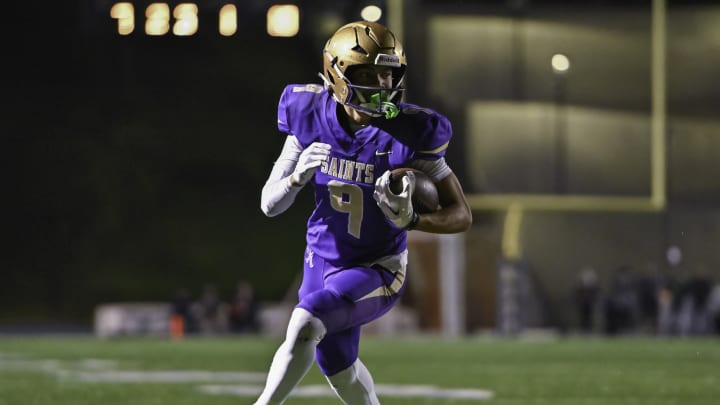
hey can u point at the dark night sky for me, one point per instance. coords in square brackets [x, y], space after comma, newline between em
[133, 166]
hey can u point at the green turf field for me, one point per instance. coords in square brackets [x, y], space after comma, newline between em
[79, 371]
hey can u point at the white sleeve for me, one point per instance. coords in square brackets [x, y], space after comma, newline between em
[436, 169]
[277, 193]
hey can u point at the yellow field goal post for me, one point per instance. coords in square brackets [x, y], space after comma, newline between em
[516, 204]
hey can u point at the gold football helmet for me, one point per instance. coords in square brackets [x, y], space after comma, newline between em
[364, 43]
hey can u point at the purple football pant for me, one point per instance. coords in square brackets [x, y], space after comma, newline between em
[345, 298]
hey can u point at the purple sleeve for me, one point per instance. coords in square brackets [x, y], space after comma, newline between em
[298, 111]
[283, 121]
[433, 132]
[434, 142]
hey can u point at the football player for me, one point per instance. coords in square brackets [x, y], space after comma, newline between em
[343, 138]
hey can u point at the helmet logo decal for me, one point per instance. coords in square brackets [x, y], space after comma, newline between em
[383, 59]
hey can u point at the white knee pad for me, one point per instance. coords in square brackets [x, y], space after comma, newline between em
[304, 327]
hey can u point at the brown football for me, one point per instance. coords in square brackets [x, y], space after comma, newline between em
[425, 197]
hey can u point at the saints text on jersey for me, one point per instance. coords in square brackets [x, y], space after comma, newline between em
[349, 170]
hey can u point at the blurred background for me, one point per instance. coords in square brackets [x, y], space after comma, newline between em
[137, 137]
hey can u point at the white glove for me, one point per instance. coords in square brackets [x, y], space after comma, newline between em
[310, 159]
[397, 208]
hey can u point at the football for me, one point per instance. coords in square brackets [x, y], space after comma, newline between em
[425, 197]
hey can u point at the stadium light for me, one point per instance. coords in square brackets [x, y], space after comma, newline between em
[283, 20]
[371, 13]
[560, 63]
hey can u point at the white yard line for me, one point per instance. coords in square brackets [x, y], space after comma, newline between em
[383, 390]
[103, 371]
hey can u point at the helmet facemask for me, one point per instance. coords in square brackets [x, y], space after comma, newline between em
[376, 101]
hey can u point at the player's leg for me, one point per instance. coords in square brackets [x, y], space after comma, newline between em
[353, 385]
[354, 296]
[351, 298]
[293, 358]
[296, 354]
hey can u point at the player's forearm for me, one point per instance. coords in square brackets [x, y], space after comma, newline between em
[451, 219]
[277, 196]
[454, 216]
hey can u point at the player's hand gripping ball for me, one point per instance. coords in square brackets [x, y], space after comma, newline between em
[425, 196]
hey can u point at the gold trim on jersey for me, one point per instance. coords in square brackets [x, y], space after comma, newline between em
[436, 150]
[396, 264]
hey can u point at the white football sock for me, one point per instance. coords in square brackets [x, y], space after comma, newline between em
[354, 385]
[293, 358]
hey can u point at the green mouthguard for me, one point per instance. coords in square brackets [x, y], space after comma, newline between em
[381, 100]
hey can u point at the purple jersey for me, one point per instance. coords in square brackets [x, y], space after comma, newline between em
[347, 227]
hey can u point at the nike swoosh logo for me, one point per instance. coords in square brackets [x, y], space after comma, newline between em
[381, 153]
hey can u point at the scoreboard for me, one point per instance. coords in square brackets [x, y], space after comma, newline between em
[183, 18]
